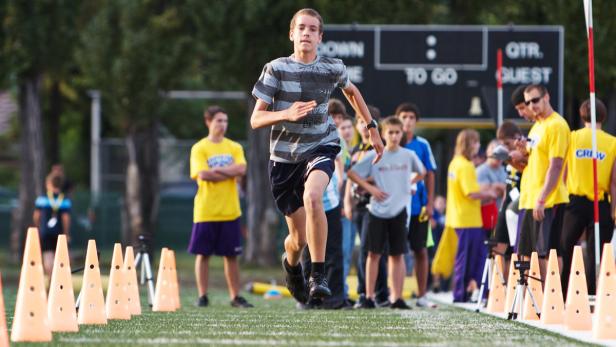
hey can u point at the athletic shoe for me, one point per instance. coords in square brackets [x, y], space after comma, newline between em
[295, 282]
[240, 302]
[400, 305]
[383, 303]
[423, 302]
[360, 301]
[318, 286]
[367, 303]
[202, 301]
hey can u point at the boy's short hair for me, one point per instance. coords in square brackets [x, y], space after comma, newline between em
[310, 12]
[408, 107]
[391, 121]
[508, 130]
[600, 110]
[56, 180]
[374, 112]
[517, 97]
[347, 117]
[335, 106]
[211, 111]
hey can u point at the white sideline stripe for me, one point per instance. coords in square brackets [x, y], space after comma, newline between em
[213, 341]
[582, 336]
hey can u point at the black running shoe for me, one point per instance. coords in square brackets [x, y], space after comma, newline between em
[240, 302]
[383, 303]
[295, 282]
[202, 301]
[318, 286]
[400, 305]
[367, 303]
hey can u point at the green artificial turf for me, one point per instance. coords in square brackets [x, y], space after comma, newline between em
[278, 323]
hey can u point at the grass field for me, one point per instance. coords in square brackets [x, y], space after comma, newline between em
[278, 323]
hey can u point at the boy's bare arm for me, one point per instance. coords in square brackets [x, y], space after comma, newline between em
[232, 170]
[36, 217]
[356, 100]
[66, 225]
[348, 202]
[261, 117]
[212, 176]
[378, 194]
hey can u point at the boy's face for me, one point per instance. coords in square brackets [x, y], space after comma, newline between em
[537, 103]
[361, 128]
[305, 35]
[524, 112]
[509, 142]
[346, 130]
[409, 121]
[218, 124]
[392, 135]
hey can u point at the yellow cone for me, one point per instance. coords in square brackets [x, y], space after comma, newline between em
[577, 307]
[116, 303]
[535, 287]
[496, 300]
[553, 309]
[604, 326]
[92, 304]
[512, 281]
[61, 307]
[132, 286]
[30, 322]
[163, 295]
[4, 336]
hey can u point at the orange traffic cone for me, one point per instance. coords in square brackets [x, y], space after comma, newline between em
[30, 321]
[116, 304]
[61, 308]
[92, 305]
[512, 281]
[132, 286]
[174, 281]
[530, 313]
[604, 326]
[577, 308]
[553, 305]
[163, 295]
[4, 336]
[496, 300]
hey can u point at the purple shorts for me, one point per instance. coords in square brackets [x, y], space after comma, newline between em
[218, 238]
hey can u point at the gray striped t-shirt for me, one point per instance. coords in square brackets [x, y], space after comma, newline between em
[285, 81]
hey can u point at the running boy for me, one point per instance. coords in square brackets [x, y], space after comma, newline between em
[215, 163]
[291, 96]
[389, 197]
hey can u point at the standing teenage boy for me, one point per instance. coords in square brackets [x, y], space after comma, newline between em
[422, 200]
[291, 97]
[215, 163]
[389, 197]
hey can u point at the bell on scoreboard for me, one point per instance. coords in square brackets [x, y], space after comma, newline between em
[475, 109]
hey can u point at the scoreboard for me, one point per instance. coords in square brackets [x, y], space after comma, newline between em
[448, 71]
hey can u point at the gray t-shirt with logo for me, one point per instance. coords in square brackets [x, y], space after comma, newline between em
[285, 81]
[392, 175]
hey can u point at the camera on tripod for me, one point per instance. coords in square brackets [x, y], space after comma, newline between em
[521, 265]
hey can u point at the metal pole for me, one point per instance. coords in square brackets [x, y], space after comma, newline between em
[593, 125]
[95, 140]
[499, 86]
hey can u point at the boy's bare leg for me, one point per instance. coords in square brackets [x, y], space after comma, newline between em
[48, 262]
[232, 275]
[421, 268]
[316, 222]
[201, 273]
[372, 271]
[398, 270]
[295, 242]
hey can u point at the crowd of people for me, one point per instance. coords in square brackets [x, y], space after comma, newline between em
[338, 179]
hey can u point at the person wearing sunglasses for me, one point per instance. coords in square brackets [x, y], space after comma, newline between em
[543, 193]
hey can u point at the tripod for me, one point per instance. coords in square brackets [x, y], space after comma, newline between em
[520, 288]
[143, 258]
[486, 278]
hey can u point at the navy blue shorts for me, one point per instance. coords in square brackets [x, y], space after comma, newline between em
[287, 180]
[218, 238]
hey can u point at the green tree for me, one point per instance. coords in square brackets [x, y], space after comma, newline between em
[131, 51]
[36, 42]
